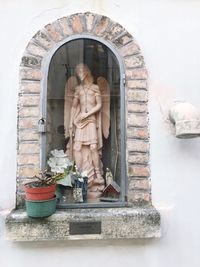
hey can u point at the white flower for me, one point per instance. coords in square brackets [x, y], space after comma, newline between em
[58, 153]
[57, 169]
[59, 162]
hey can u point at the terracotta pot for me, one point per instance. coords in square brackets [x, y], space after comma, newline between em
[39, 193]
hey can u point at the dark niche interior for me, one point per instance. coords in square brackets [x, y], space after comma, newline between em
[101, 62]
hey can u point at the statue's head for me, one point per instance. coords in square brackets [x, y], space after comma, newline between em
[83, 72]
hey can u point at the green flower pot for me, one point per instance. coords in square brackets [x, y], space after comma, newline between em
[40, 208]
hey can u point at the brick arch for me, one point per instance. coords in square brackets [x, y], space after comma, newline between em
[136, 98]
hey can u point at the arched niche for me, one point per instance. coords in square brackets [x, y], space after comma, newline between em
[103, 62]
[134, 138]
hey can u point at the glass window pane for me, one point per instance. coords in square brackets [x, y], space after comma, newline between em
[102, 63]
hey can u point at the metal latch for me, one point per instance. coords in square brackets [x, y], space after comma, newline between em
[42, 125]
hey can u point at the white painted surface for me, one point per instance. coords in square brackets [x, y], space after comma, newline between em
[168, 34]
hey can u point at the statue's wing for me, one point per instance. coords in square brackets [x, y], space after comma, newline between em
[105, 111]
[69, 94]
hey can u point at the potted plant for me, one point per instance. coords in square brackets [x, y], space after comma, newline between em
[62, 183]
[40, 195]
[41, 187]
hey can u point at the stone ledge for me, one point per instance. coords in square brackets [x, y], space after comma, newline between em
[134, 222]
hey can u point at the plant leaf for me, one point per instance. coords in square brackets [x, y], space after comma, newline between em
[66, 180]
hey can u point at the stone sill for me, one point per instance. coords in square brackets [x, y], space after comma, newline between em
[131, 222]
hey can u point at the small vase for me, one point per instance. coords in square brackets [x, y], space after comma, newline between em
[77, 191]
[80, 190]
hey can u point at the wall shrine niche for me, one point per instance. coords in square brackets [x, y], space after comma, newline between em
[96, 112]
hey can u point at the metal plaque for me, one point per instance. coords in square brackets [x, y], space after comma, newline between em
[84, 228]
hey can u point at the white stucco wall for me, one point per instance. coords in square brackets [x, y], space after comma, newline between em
[168, 34]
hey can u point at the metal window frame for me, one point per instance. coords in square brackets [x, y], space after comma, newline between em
[43, 114]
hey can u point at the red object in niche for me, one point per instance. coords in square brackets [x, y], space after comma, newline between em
[39, 193]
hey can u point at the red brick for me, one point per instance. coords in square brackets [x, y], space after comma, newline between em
[53, 31]
[134, 61]
[134, 145]
[136, 120]
[130, 49]
[138, 158]
[44, 40]
[28, 172]
[139, 197]
[26, 148]
[29, 112]
[141, 133]
[29, 135]
[102, 25]
[137, 74]
[89, 20]
[138, 171]
[115, 30]
[29, 159]
[123, 40]
[36, 50]
[66, 29]
[28, 123]
[30, 74]
[137, 84]
[29, 100]
[139, 184]
[137, 107]
[30, 87]
[76, 23]
[137, 95]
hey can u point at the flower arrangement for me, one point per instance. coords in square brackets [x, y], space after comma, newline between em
[67, 174]
[61, 167]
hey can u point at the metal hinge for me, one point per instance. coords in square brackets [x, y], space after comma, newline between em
[124, 79]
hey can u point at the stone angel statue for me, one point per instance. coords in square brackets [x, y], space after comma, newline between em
[86, 122]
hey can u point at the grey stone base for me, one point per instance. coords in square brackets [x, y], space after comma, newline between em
[134, 222]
